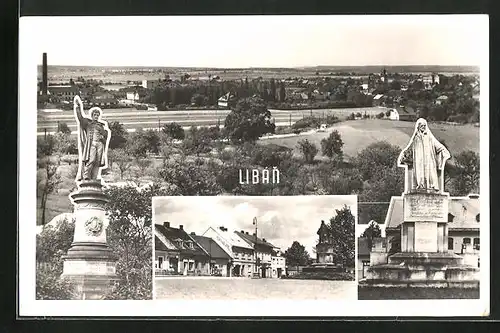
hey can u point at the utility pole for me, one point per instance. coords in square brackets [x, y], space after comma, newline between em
[256, 273]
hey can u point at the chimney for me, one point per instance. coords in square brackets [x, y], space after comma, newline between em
[193, 233]
[254, 234]
[264, 240]
[243, 232]
[166, 224]
[44, 74]
[181, 227]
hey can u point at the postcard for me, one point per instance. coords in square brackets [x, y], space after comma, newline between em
[254, 166]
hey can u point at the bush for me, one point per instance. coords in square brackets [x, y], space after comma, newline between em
[307, 122]
[174, 130]
[270, 155]
[351, 116]
[308, 149]
[49, 286]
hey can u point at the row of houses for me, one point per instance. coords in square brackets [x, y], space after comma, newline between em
[217, 251]
[463, 233]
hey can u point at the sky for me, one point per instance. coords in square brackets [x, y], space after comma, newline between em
[259, 41]
[281, 220]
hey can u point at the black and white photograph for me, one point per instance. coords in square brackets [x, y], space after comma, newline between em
[391, 110]
[239, 247]
[427, 246]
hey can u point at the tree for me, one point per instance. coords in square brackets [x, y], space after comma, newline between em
[466, 173]
[199, 100]
[45, 146]
[174, 130]
[138, 145]
[51, 244]
[130, 236]
[49, 183]
[63, 128]
[387, 183]
[282, 92]
[64, 143]
[377, 156]
[122, 159]
[249, 120]
[371, 232]
[191, 178]
[341, 230]
[296, 255]
[118, 135]
[308, 149]
[332, 145]
[199, 141]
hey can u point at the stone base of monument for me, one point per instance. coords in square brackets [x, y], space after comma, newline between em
[90, 264]
[420, 269]
[322, 267]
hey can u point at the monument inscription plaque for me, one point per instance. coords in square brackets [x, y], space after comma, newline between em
[425, 207]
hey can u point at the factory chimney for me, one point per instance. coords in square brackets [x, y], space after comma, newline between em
[44, 74]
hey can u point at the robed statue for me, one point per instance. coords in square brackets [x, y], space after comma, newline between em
[425, 158]
[93, 140]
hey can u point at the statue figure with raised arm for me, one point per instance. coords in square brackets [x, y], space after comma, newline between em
[425, 158]
[93, 140]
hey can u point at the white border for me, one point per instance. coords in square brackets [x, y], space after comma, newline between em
[30, 50]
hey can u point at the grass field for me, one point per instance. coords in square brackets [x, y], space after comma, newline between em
[387, 293]
[358, 134]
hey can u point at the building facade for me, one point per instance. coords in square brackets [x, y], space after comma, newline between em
[192, 258]
[263, 251]
[220, 261]
[278, 263]
[241, 253]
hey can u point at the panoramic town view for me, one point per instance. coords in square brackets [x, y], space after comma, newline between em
[302, 131]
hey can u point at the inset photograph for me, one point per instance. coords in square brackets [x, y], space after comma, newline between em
[241, 248]
[427, 247]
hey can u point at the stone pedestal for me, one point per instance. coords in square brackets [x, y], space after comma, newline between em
[90, 263]
[424, 259]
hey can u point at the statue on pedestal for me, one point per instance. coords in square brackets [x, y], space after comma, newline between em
[90, 263]
[93, 140]
[425, 158]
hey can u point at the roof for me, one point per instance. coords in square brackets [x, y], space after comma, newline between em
[251, 239]
[211, 247]
[363, 248]
[463, 209]
[406, 110]
[159, 245]
[231, 238]
[174, 234]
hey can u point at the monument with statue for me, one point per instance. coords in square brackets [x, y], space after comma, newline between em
[90, 263]
[423, 259]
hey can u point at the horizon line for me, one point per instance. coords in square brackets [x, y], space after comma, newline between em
[261, 67]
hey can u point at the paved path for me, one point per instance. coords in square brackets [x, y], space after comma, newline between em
[219, 288]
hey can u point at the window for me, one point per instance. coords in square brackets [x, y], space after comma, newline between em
[450, 217]
[191, 266]
[450, 243]
[466, 240]
[477, 218]
[160, 262]
[476, 243]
